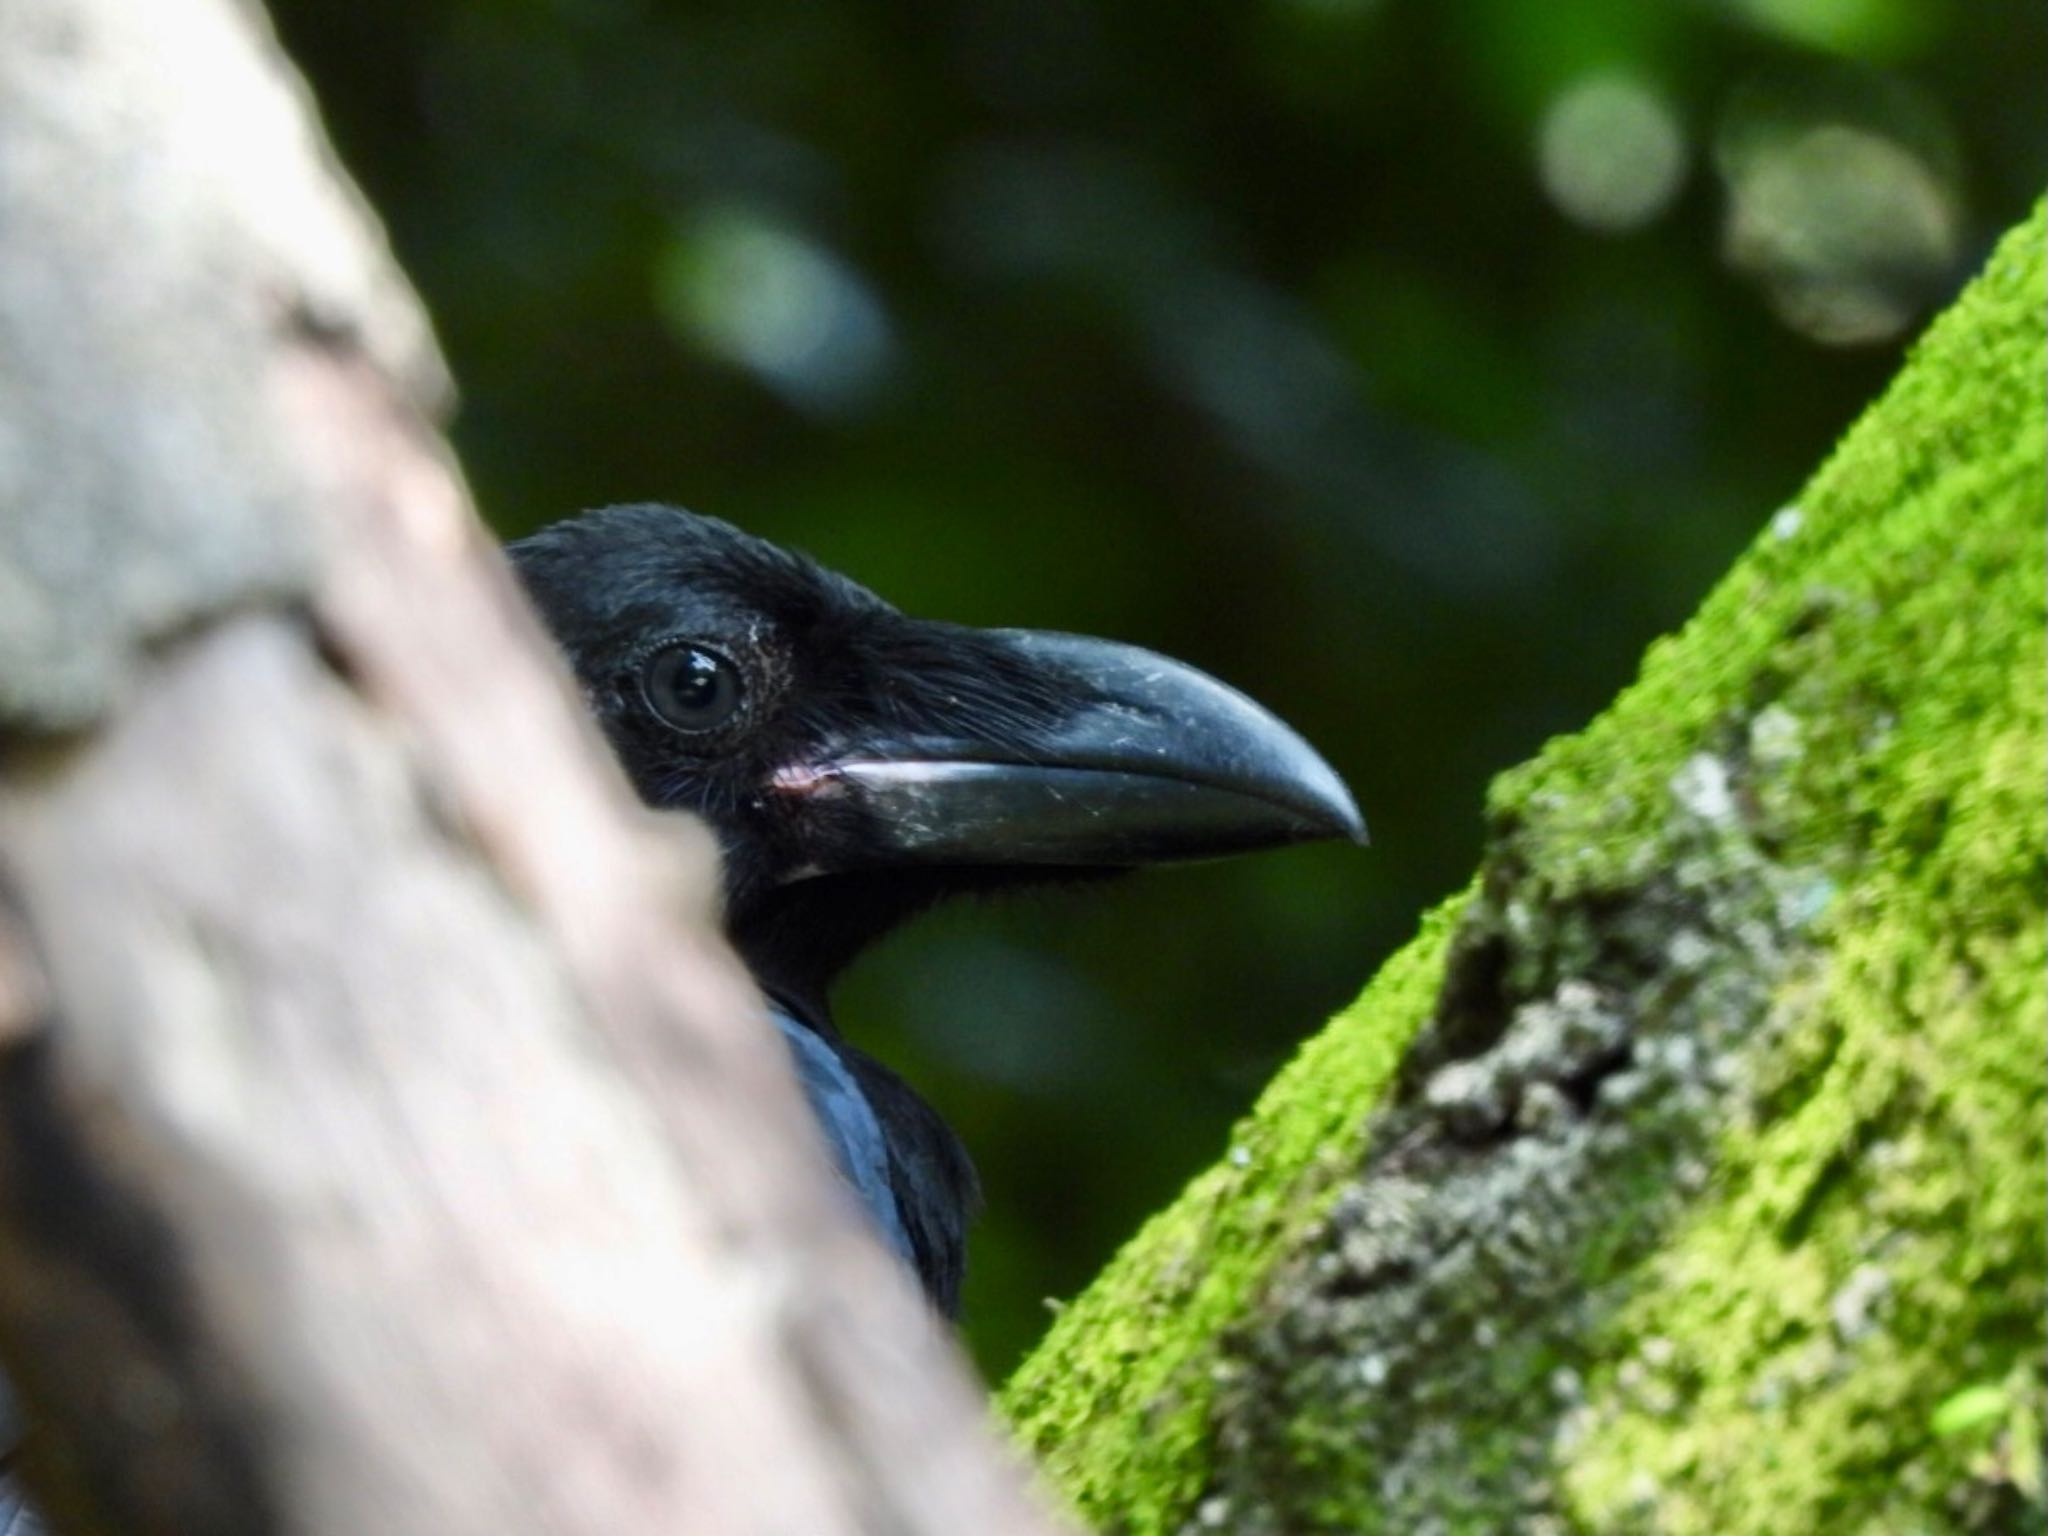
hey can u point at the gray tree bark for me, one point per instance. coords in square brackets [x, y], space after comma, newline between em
[387, 1140]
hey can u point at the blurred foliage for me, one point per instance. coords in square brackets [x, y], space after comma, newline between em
[1409, 363]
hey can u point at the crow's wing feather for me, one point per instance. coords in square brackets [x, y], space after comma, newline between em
[853, 1132]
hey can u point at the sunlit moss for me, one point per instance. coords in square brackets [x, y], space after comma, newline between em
[1115, 1402]
[1801, 1218]
[1874, 1246]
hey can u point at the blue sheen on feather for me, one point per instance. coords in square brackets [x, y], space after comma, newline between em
[17, 1516]
[852, 1132]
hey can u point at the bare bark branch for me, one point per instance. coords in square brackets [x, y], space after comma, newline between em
[387, 1141]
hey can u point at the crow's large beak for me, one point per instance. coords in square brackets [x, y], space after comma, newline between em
[1155, 761]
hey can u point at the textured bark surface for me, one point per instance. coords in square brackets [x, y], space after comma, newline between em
[387, 1141]
[1686, 1174]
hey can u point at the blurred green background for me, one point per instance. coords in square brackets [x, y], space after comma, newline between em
[1409, 363]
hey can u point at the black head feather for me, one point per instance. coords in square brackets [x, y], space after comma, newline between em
[857, 765]
[821, 662]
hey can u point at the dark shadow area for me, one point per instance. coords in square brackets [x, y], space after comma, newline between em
[1410, 366]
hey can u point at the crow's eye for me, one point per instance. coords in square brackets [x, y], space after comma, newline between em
[692, 688]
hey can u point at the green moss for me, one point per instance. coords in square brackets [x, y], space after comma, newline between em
[1115, 1402]
[1874, 1243]
[1714, 1165]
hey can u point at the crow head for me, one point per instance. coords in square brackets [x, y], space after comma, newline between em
[857, 764]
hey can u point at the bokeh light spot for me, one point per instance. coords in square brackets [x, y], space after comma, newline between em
[1611, 153]
[1865, 29]
[1849, 231]
[752, 291]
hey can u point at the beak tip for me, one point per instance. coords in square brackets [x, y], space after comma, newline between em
[1332, 810]
[1346, 822]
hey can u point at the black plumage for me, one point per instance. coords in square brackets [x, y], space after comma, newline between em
[858, 765]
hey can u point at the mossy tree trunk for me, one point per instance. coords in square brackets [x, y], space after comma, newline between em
[1686, 1173]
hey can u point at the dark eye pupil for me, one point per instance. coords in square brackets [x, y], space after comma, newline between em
[699, 687]
[693, 689]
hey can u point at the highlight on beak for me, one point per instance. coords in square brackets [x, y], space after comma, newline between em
[1155, 761]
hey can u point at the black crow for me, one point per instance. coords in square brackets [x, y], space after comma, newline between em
[858, 765]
